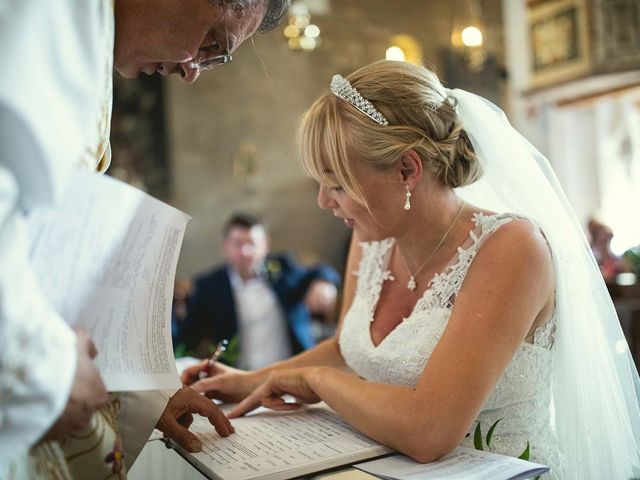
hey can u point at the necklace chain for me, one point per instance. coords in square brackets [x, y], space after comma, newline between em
[411, 284]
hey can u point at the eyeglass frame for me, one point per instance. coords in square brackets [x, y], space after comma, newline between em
[221, 59]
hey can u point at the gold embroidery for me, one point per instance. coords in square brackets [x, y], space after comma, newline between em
[47, 462]
[77, 436]
[93, 447]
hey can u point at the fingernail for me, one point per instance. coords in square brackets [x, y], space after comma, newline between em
[195, 446]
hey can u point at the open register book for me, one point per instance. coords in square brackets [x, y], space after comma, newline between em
[272, 445]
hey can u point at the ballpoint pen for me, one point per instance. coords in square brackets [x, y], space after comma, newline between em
[220, 348]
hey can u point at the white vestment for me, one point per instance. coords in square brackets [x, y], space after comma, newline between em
[55, 109]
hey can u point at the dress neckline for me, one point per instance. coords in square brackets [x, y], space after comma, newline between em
[479, 220]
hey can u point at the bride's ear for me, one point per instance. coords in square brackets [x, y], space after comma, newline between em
[410, 168]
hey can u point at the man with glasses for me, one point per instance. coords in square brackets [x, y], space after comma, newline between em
[188, 36]
[55, 109]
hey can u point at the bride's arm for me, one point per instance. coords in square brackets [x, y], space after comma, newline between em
[236, 384]
[507, 287]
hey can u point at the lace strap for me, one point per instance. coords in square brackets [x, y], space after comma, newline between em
[445, 285]
[372, 270]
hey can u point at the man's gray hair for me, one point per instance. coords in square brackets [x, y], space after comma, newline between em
[276, 9]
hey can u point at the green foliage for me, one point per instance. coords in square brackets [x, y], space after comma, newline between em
[478, 440]
[525, 455]
[632, 256]
[477, 436]
[180, 350]
[490, 432]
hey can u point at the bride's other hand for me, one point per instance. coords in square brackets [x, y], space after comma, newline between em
[227, 383]
[294, 382]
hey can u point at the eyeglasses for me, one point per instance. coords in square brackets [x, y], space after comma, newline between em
[224, 58]
[212, 63]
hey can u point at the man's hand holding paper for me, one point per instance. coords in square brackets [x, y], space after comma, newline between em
[88, 393]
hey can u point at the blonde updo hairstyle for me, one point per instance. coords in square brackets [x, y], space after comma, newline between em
[333, 133]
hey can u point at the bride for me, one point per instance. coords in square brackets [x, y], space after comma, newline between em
[475, 304]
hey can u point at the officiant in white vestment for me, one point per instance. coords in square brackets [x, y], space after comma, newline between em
[55, 110]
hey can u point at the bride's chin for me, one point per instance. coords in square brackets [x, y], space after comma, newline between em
[367, 236]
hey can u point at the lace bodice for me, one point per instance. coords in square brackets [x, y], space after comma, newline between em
[522, 397]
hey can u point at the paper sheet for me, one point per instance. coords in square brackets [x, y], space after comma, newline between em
[461, 464]
[270, 444]
[106, 258]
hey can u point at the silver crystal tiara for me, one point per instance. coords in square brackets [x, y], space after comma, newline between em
[341, 87]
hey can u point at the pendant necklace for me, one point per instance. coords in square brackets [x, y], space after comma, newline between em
[411, 284]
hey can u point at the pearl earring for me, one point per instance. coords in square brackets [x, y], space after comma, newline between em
[407, 201]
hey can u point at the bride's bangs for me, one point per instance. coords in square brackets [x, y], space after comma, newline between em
[323, 147]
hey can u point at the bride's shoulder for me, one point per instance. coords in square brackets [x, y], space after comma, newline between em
[516, 240]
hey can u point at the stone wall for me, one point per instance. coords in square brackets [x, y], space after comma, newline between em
[256, 101]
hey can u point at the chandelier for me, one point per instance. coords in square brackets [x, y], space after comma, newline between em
[300, 33]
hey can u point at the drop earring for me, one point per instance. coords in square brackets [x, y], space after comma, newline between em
[407, 201]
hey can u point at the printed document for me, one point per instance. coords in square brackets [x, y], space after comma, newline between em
[280, 445]
[106, 257]
[461, 464]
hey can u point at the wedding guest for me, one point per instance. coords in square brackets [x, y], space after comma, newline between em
[55, 108]
[182, 291]
[477, 302]
[264, 299]
[600, 236]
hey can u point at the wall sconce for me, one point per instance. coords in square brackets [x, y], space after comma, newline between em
[300, 33]
[404, 48]
[245, 166]
[395, 53]
[466, 35]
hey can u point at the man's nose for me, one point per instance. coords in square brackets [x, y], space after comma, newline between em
[188, 71]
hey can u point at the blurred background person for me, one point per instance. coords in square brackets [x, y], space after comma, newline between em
[182, 290]
[600, 236]
[261, 302]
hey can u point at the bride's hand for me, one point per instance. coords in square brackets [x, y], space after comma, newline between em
[294, 382]
[189, 375]
[225, 383]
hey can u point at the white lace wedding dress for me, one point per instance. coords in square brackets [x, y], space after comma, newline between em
[522, 397]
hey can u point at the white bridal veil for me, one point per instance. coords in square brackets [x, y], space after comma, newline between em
[596, 388]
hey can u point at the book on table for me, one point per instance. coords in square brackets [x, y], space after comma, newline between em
[461, 464]
[271, 445]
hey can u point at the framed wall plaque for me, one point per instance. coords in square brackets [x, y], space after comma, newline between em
[559, 32]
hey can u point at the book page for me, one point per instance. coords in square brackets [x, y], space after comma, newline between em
[280, 445]
[106, 258]
[461, 464]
